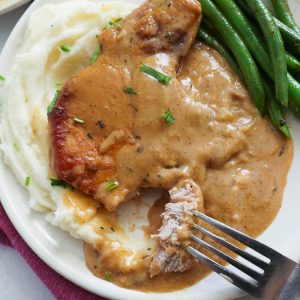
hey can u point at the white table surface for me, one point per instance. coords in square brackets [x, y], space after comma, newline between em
[17, 280]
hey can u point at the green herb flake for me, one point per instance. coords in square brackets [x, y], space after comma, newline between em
[167, 116]
[27, 181]
[129, 90]
[163, 78]
[58, 182]
[114, 23]
[78, 120]
[65, 48]
[108, 276]
[95, 54]
[16, 146]
[111, 185]
[59, 85]
[53, 102]
[2, 78]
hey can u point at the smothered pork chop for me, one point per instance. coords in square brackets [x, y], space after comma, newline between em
[189, 129]
[89, 155]
[157, 126]
[145, 116]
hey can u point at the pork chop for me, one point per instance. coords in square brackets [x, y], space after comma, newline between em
[93, 120]
[175, 231]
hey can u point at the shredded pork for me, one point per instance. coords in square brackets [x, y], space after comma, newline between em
[175, 230]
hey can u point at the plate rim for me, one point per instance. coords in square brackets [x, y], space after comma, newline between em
[107, 290]
[9, 7]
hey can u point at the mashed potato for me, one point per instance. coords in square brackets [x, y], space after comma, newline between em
[40, 69]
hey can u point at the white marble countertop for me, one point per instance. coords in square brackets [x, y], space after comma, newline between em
[17, 280]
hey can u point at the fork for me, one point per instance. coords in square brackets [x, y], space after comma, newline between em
[278, 278]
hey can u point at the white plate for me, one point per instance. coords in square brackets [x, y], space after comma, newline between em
[8, 5]
[64, 254]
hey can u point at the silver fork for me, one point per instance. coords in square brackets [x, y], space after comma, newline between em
[278, 278]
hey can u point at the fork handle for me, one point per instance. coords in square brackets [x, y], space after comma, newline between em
[291, 290]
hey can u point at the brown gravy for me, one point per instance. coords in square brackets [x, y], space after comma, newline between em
[239, 160]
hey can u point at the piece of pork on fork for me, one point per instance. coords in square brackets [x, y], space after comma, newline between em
[94, 119]
[177, 222]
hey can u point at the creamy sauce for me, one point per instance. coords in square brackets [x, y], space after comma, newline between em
[141, 280]
[239, 160]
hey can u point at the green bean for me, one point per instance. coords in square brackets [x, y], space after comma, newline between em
[290, 37]
[246, 31]
[252, 39]
[209, 27]
[275, 111]
[207, 37]
[275, 47]
[284, 14]
[240, 51]
[294, 93]
[293, 63]
[297, 76]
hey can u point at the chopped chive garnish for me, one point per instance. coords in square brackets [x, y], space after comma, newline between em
[129, 90]
[95, 54]
[53, 102]
[167, 116]
[115, 23]
[65, 48]
[59, 85]
[27, 181]
[16, 146]
[77, 120]
[111, 185]
[107, 276]
[163, 78]
[58, 182]
[2, 78]
[118, 20]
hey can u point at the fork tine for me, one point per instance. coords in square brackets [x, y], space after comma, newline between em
[227, 274]
[256, 261]
[252, 273]
[243, 238]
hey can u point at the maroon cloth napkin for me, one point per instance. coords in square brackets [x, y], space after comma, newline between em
[60, 287]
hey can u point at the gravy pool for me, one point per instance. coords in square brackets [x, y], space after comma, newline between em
[219, 139]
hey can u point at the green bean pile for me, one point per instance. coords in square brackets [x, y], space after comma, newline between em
[263, 50]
